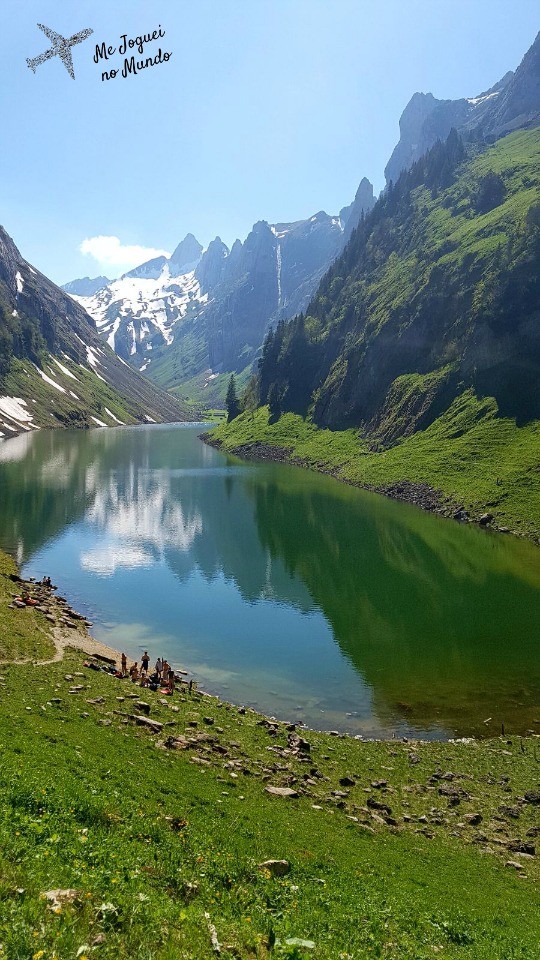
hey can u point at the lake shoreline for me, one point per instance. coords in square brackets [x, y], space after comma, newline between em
[65, 626]
[420, 495]
[76, 637]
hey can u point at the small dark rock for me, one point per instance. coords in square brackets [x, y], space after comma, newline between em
[377, 805]
[509, 811]
[520, 846]
[142, 707]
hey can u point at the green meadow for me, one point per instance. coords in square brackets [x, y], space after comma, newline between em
[120, 842]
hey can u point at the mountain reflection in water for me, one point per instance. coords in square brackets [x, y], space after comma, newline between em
[278, 586]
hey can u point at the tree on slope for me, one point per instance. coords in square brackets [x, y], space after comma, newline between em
[231, 400]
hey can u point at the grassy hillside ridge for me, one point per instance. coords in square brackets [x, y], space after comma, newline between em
[422, 849]
[440, 282]
[52, 358]
[51, 408]
[474, 458]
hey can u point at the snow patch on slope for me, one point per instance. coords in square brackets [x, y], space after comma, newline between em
[476, 100]
[49, 380]
[65, 370]
[13, 407]
[112, 416]
[91, 356]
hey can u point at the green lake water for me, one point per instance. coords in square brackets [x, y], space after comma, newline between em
[280, 588]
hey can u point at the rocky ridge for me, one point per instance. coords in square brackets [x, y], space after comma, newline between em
[511, 104]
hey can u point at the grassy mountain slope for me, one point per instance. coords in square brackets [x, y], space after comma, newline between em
[421, 351]
[440, 283]
[471, 456]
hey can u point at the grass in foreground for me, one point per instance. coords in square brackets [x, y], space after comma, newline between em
[474, 457]
[24, 634]
[152, 840]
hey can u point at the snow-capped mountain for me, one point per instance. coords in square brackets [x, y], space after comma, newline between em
[209, 310]
[138, 313]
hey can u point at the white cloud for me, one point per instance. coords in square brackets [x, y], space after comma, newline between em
[110, 252]
[105, 560]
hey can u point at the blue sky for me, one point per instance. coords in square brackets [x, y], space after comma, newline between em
[267, 109]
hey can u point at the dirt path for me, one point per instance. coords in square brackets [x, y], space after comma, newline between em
[63, 639]
[59, 623]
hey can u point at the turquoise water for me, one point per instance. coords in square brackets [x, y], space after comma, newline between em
[277, 587]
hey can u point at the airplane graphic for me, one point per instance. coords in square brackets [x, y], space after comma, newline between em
[60, 48]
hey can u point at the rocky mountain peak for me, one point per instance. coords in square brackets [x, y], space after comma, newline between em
[418, 108]
[363, 202]
[85, 286]
[511, 104]
[9, 259]
[210, 270]
[186, 256]
[150, 270]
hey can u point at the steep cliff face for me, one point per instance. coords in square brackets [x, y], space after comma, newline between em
[512, 103]
[518, 105]
[272, 276]
[236, 316]
[213, 265]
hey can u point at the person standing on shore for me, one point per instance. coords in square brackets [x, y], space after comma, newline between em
[159, 668]
[145, 662]
[124, 665]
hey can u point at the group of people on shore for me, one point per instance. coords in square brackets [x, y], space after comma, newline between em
[162, 676]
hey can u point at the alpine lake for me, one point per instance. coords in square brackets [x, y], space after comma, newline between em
[279, 588]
